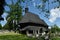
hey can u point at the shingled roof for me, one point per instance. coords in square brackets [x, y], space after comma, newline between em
[31, 17]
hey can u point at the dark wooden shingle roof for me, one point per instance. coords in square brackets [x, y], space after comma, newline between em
[31, 17]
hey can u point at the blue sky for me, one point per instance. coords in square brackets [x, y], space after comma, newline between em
[33, 9]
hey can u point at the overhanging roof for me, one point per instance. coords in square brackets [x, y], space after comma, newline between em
[31, 17]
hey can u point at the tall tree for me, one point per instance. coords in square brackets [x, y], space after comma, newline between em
[15, 10]
[15, 13]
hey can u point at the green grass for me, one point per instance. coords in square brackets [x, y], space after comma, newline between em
[14, 36]
[55, 38]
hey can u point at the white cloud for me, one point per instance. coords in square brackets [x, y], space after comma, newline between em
[59, 14]
[34, 4]
[52, 19]
[4, 15]
[5, 21]
[55, 13]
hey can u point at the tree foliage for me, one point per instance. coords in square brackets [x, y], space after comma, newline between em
[14, 14]
[55, 28]
[0, 26]
[2, 3]
[8, 26]
[15, 9]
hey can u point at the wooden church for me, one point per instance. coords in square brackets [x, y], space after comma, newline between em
[31, 24]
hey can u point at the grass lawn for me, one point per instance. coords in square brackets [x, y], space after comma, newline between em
[55, 38]
[14, 36]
